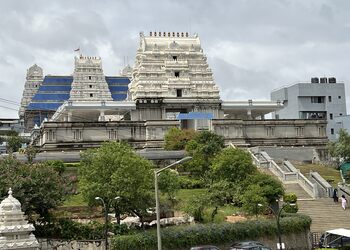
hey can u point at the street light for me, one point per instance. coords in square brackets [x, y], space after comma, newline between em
[277, 216]
[156, 174]
[106, 218]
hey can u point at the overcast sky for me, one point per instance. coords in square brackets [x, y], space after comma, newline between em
[253, 46]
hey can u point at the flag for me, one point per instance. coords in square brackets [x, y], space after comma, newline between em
[78, 49]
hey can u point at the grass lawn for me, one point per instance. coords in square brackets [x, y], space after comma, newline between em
[74, 200]
[329, 174]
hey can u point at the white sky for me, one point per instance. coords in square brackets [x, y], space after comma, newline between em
[253, 46]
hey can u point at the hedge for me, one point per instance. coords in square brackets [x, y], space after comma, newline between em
[202, 234]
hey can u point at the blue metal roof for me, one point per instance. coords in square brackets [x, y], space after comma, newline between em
[44, 106]
[51, 97]
[195, 116]
[56, 89]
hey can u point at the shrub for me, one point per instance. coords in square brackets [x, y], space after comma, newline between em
[70, 230]
[290, 198]
[185, 236]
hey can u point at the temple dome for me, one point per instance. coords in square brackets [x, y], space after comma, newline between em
[10, 203]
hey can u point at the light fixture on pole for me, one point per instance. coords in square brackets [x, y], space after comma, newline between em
[156, 174]
[280, 245]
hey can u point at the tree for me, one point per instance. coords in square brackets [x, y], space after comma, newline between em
[114, 170]
[38, 187]
[233, 165]
[176, 138]
[31, 152]
[169, 184]
[203, 148]
[270, 188]
[253, 196]
[340, 149]
[14, 143]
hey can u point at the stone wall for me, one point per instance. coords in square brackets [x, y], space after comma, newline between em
[78, 135]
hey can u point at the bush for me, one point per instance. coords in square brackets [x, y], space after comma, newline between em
[71, 230]
[185, 236]
[290, 198]
[187, 182]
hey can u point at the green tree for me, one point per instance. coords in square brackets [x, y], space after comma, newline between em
[270, 188]
[38, 187]
[14, 143]
[176, 138]
[203, 148]
[31, 152]
[290, 198]
[114, 170]
[340, 149]
[233, 165]
[253, 196]
[169, 184]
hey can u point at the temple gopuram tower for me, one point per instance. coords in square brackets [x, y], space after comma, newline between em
[15, 231]
[171, 76]
[33, 81]
[89, 83]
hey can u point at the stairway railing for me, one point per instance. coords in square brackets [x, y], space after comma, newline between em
[293, 175]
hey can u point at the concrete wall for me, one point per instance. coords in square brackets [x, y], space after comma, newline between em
[65, 135]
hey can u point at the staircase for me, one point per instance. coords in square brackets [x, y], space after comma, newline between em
[325, 214]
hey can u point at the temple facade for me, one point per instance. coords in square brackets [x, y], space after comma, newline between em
[15, 231]
[171, 85]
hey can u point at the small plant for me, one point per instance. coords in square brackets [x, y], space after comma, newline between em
[290, 198]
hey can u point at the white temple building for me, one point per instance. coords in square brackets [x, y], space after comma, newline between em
[15, 231]
[171, 85]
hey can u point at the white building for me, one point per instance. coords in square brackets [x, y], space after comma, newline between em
[15, 231]
[322, 98]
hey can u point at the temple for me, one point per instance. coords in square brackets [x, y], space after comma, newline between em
[171, 85]
[15, 231]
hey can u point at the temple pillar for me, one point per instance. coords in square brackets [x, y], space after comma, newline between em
[69, 117]
[249, 113]
[101, 118]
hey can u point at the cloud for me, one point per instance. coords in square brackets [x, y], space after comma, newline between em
[252, 46]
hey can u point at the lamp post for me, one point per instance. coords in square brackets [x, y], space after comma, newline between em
[106, 218]
[278, 216]
[156, 174]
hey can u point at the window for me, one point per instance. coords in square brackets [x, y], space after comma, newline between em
[299, 131]
[329, 99]
[277, 116]
[89, 77]
[77, 134]
[177, 73]
[179, 93]
[339, 97]
[270, 131]
[332, 131]
[90, 86]
[112, 135]
[91, 95]
[331, 116]
[317, 99]
[175, 58]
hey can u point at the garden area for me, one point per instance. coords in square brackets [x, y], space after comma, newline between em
[216, 187]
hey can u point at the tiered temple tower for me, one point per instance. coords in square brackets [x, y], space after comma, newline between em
[15, 232]
[33, 81]
[171, 76]
[89, 83]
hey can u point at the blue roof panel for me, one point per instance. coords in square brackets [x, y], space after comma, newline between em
[119, 97]
[50, 97]
[43, 106]
[117, 80]
[195, 116]
[53, 88]
[118, 88]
